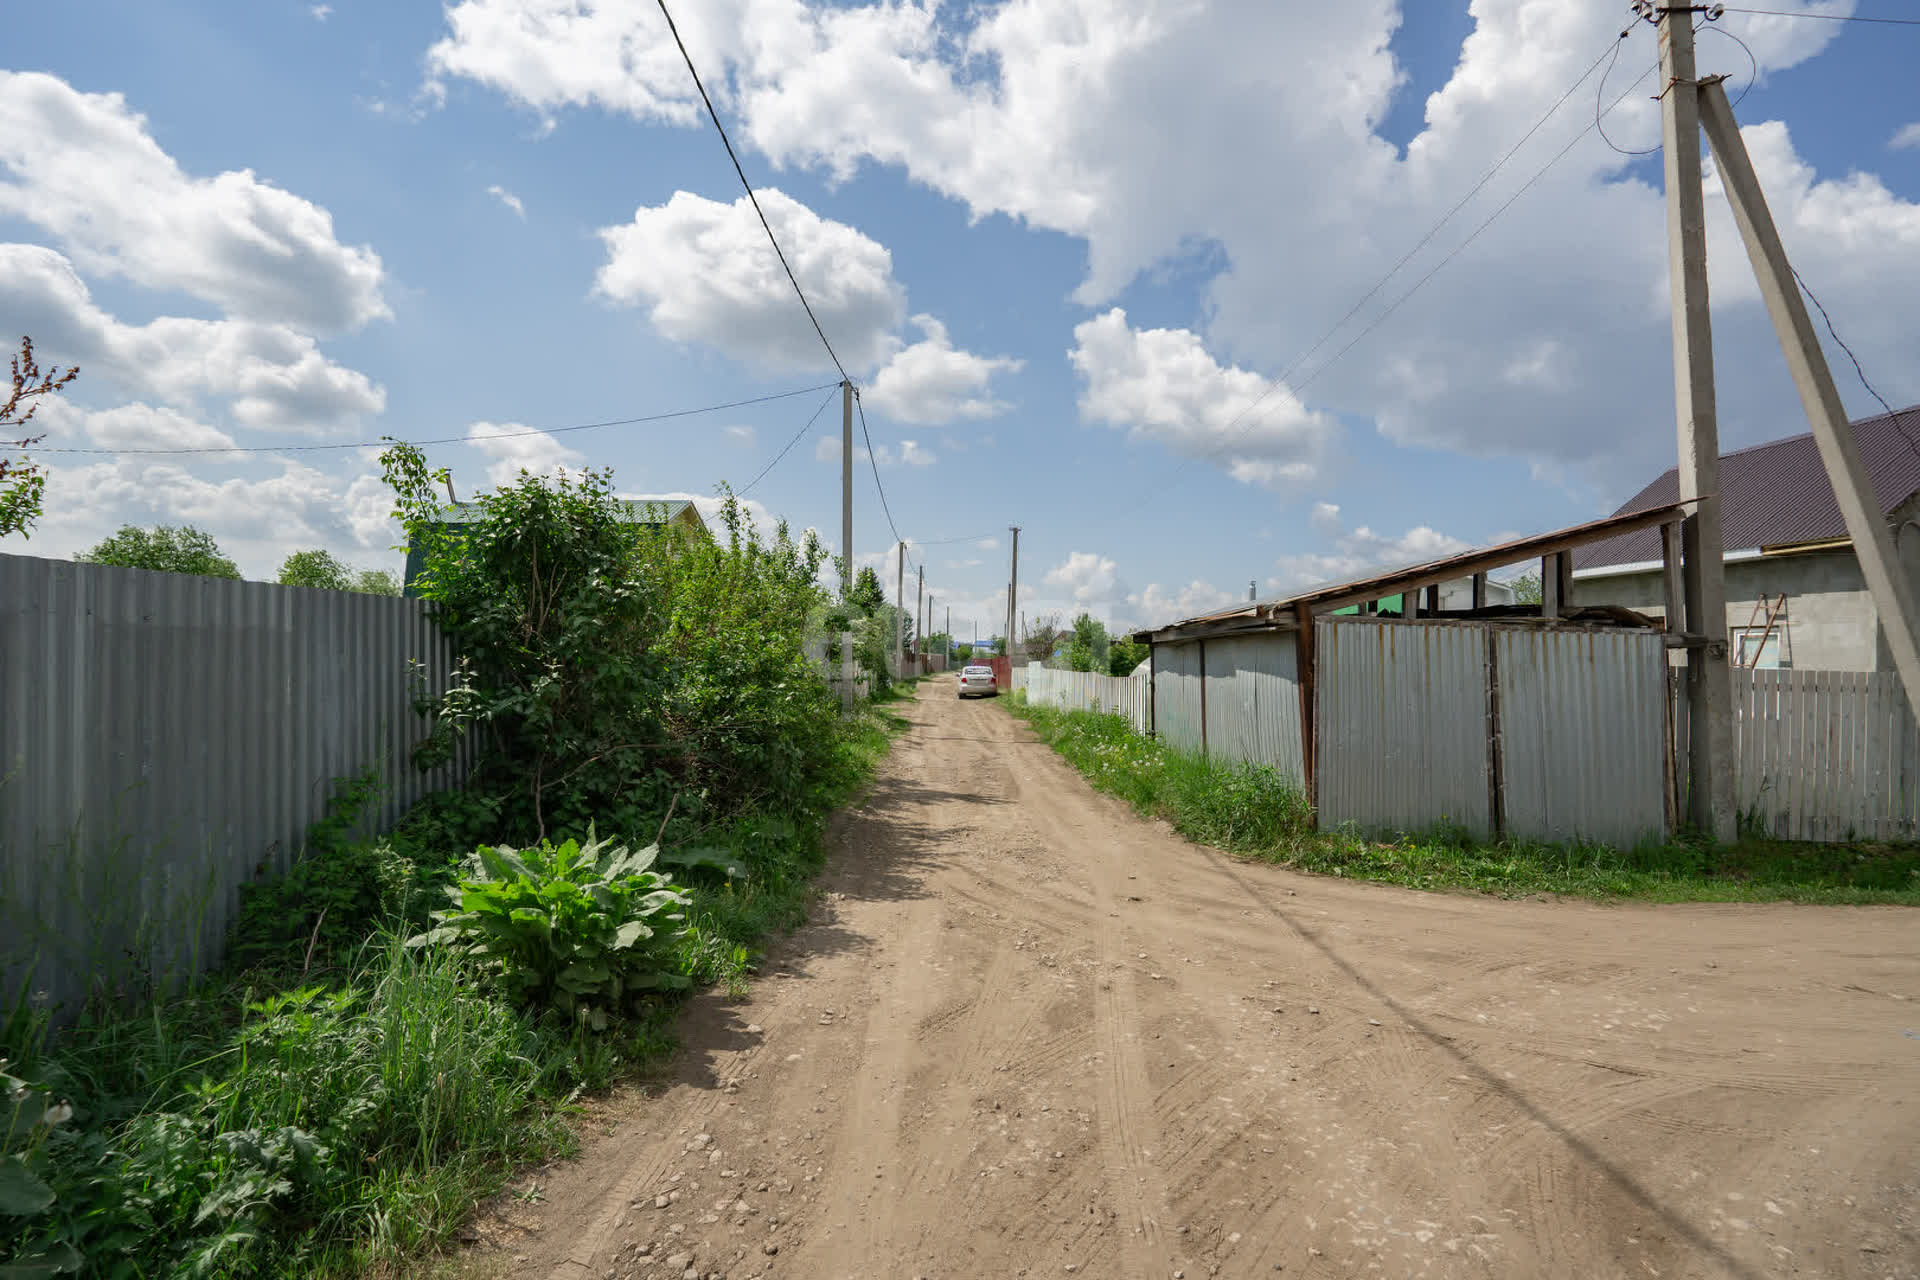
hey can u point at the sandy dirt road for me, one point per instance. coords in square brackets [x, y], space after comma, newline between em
[1031, 1035]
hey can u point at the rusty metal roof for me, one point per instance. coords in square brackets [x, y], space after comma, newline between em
[1778, 494]
[1279, 612]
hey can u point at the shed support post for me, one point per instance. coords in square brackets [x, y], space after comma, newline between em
[1432, 604]
[1563, 574]
[1549, 587]
[1305, 670]
[1670, 568]
[1410, 604]
[1203, 697]
[1496, 749]
[1479, 591]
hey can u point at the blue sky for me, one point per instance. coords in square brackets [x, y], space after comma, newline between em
[1063, 244]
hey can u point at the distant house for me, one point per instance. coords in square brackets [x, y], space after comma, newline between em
[652, 512]
[1795, 594]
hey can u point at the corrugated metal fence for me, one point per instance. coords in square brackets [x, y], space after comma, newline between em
[1550, 734]
[165, 738]
[1232, 698]
[1826, 755]
[1084, 691]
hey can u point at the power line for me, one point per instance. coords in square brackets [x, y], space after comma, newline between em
[467, 439]
[765, 225]
[1824, 17]
[872, 462]
[1612, 49]
[1599, 93]
[796, 440]
[1899, 419]
[1471, 237]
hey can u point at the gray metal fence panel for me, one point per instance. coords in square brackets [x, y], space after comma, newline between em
[1253, 701]
[166, 738]
[1583, 725]
[1401, 725]
[1176, 694]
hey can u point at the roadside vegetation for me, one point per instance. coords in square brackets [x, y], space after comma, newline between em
[404, 1020]
[1253, 812]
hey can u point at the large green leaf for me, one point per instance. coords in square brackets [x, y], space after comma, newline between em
[503, 862]
[629, 933]
[59, 1260]
[22, 1194]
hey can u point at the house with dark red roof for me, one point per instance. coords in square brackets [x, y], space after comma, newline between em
[1795, 594]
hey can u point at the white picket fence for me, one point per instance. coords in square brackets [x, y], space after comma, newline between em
[1827, 755]
[1085, 691]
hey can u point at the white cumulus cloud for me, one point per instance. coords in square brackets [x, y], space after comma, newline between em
[706, 273]
[84, 167]
[932, 382]
[514, 450]
[508, 199]
[1163, 384]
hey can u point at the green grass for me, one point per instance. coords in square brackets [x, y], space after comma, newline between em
[341, 1113]
[1253, 812]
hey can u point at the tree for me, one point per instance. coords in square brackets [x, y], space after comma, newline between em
[963, 651]
[23, 484]
[316, 569]
[377, 582]
[1088, 647]
[164, 548]
[1043, 638]
[867, 595]
[1124, 655]
[1526, 588]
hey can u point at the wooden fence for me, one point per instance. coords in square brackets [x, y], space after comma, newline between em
[1826, 755]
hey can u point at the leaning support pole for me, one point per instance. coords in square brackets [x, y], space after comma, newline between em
[1893, 595]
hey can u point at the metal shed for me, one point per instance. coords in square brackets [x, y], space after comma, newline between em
[1539, 721]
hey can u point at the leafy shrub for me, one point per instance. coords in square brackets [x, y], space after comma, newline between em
[579, 928]
[615, 666]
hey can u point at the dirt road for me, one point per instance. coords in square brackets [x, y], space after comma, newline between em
[1032, 1035]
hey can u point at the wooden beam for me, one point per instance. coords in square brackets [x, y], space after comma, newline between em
[1670, 569]
[1306, 677]
[1432, 602]
[1549, 587]
[1563, 573]
[1409, 604]
[1479, 590]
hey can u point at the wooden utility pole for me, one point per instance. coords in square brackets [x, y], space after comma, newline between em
[1013, 592]
[900, 610]
[1893, 594]
[1709, 682]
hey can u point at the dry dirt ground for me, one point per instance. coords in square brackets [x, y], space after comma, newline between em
[1029, 1035]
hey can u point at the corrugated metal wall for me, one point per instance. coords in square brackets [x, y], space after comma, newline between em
[1253, 701]
[1583, 726]
[166, 737]
[1176, 694]
[1401, 725]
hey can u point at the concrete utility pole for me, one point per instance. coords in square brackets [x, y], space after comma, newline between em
[1893, 595]
[919, 611]
[1013, 592]
[1709, 680]
[900, 610]
[948, 646]
[846, 539]
[846, 491]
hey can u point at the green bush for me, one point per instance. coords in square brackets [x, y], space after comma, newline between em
[579, 928]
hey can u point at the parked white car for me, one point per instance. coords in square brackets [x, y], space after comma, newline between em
[978, 679]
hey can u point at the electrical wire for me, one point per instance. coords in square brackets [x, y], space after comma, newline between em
[1753, 63]
[1899, 417]
[1599, 93]
[872, 462]
[1471, 237]
[1281, 380]
[764, 224]
[503, 435]
[1824, 17]
[796, 440]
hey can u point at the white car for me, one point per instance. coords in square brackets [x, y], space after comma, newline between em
[977, 679]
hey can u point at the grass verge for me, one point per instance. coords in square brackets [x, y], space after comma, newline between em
[337, 1104]
[1252, 811]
